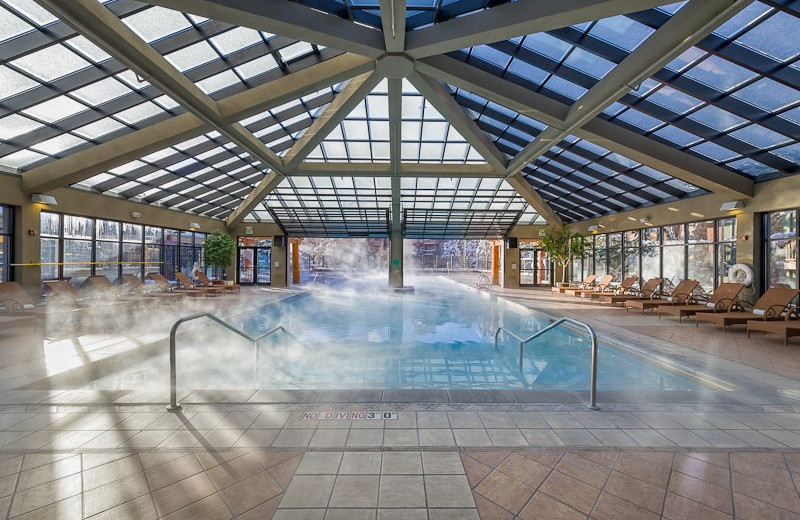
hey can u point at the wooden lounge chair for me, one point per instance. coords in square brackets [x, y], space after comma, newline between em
[206, 282]
[15, 301]
[133, 285]
[720, 301]
[585, 284]
[680, 295]
[604, 282]
[184, 282]
[788, 327]
[647, 292]
[624, 288]
[771, 306]
[63, 291]
[164, 285]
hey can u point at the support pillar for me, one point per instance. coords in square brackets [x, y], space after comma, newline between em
[27, 248]
[296, 260]
[495, 263]
[396, 239]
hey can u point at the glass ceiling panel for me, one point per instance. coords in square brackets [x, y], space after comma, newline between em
[207, 175]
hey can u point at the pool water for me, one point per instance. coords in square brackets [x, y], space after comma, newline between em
[362, 337]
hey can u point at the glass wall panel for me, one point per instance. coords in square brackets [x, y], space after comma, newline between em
[631, 262]
[170, 253]
[673, 264]
[781, 248]
[107, 230]
[107, 258]
[701, 263]
[77, 257]
[49, 255]
[131, 232]
[132, 259]
[6, 228]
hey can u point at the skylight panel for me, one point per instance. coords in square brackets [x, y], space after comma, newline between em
[773, 37]
[714, 151]
[51, 63]
[717, 118]
[639, 119]
[621, 31]
[768, 94]
[743, 19]
[719, 73]
[296, 50]
[218, 82]
[192, 56]
[101, 91]
[14, 83]
[759, 136]
[751, 167]
[132, 80]
[257, 66]
[15, 125]
[11, 25]
[676, 135]
[236, 39]
[166, 102]
[58, 144]
[589, 63]
[21, 158]
[791, 153]
[156, 23]
[685, 59]
[55, 109]
[543, 43]
[565, 88]
[674, 100]
[139, 113]
[32, 11]
[87, 49]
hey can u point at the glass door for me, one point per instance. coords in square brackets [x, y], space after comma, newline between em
[246, 264]
[263, 255]
[543, 272]
[527, 261]
[534, 265]
[254, 256]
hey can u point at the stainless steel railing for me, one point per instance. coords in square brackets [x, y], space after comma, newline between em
[484, 282]
[557, 323]
[174, 406]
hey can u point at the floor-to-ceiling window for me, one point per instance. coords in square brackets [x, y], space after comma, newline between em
[702, 251]
[75, 247]
[6, 227]
[781, 248]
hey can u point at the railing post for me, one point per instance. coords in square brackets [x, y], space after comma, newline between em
[174, 406]
[521, 348]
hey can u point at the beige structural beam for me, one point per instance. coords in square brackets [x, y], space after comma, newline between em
[287, 19]
[267, 184]
[432, 170]
[649, 152]
[689, 25]
[98, 159]
[393, 18]
[442, 101]
[455, 114]
[514, 19]
[351, 95]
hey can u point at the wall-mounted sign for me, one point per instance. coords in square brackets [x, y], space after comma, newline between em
[248, 230]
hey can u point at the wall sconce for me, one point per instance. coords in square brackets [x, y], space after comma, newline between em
[644, 220]
[194, 226]
[593, 228]
[136, 214]
[734, 204]
[47, 200]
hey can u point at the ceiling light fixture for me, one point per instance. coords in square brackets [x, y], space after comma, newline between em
[47, 200]
[730, 206]
[194, 226]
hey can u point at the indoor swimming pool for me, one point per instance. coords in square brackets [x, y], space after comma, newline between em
[359, 336]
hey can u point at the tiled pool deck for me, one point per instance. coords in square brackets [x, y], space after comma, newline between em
[245, 454]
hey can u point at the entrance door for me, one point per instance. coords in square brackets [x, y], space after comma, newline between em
[254, 265]
[534, 267]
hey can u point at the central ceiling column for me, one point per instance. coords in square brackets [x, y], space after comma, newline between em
[396, 235]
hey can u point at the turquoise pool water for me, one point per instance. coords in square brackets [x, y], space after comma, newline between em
[363, 337]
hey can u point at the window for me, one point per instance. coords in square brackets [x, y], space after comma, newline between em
[6, 230]
[79, 247]
[781, 248]
[702, 251]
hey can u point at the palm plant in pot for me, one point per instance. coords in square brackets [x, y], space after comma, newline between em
[561, 245]
[218, 250]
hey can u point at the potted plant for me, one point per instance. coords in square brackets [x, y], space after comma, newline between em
[218, 250]
[561, 245]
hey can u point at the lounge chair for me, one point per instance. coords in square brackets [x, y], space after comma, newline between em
[206, 282]
[15, 301]
[720, 301]
[603, 284]
[788, 327]
[647, 292]
[624, 288]
[63, 291]
[585, 284]
[771, 306]
[184, 282]
[133, 285]
[164, 285]
[680, 295]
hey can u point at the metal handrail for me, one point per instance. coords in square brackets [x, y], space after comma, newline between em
[484, 280]
[174, 406]
[592, 335]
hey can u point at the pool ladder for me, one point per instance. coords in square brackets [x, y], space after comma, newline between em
[484, 283]
[174, 406]
[555, 324]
